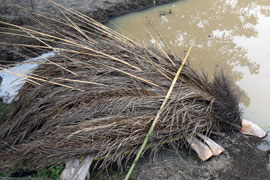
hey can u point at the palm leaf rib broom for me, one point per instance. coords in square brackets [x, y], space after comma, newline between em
[100, 94]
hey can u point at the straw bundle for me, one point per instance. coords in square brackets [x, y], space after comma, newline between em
[99, 95]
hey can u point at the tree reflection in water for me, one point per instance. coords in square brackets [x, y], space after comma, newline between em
[214, 24]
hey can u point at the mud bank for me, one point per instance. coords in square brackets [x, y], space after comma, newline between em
[101, 11]
[241, 160]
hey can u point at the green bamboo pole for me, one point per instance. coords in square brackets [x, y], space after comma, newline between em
[158, 114]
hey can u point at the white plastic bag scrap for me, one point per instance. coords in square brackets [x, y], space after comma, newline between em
[11, 83]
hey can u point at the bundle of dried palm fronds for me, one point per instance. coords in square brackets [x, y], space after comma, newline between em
[100, 93]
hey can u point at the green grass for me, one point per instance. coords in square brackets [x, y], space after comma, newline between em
[52, 172]
[2, 174]
[5, 110]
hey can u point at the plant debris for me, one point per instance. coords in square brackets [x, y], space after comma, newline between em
[100, 94]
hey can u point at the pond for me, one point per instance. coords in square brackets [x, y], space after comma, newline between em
[232, 36]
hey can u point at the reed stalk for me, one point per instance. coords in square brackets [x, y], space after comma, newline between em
[158, 114]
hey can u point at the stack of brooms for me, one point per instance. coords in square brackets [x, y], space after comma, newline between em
[100, 93]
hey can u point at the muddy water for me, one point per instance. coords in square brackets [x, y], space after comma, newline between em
[230, 35]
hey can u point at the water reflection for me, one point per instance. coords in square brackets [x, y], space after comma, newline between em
[219, 27]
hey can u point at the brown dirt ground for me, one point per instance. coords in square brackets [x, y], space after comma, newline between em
[240, 161]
